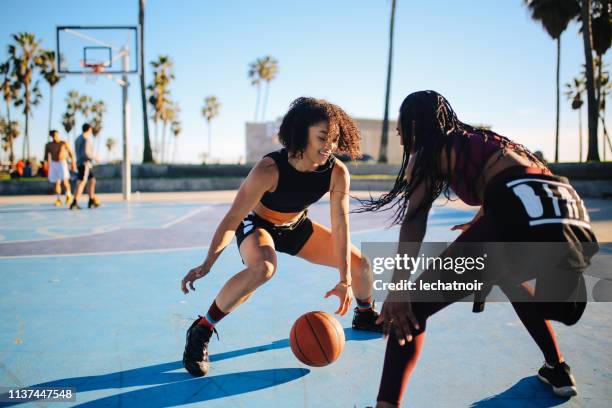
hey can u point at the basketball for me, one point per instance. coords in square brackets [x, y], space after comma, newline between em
[317, 339]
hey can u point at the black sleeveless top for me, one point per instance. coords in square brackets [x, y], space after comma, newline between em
[296, 190]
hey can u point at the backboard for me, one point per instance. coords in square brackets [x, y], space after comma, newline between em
[81, 48]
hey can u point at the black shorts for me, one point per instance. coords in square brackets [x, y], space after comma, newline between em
[289, 239]
[540, 208]
[536, 208]
[86, 172]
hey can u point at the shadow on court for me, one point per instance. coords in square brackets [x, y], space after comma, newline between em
[177, 388]
[529, 392]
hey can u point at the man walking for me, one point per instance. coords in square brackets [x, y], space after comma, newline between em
[55, 155]
[83, 145]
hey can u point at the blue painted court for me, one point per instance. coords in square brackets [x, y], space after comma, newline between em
[91, 299]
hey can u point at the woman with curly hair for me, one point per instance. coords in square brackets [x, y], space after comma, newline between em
[521, 201]
[269, 214]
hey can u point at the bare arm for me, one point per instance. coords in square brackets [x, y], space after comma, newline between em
[263, 177]
[339, 207]
[397, 310]
[413, 230]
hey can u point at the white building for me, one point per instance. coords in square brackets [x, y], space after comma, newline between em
[262, 138]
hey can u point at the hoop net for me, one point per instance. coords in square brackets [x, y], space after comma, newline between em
[96, 70]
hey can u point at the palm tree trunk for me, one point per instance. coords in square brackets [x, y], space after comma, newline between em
[11, 151]
[580, 135]
[558, 98]
[156, 142]
[598, 96]
[257, 101]
[384, 137]
[50, 106]
[10, 138]
[209, 141]
[163, 143]
[592, 108]
[174, 149]
[26, 110]
[147, 154]
[265, 103]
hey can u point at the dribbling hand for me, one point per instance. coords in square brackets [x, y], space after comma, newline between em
[193, 275]
[345, 294]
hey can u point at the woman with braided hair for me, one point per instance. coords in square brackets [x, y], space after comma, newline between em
[269, 214]
[520, 199]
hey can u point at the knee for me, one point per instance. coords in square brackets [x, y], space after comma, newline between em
[262, 271]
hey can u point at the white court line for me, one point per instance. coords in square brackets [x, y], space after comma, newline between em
[111, 228]
[186, 216]
[136, 251]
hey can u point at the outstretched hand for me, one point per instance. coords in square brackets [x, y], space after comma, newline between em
[193, 275]
[345, 294]
[399, 317]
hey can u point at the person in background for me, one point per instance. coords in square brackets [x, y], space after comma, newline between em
[83, 145]
[56, 152]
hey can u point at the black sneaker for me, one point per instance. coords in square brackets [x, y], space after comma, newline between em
[74, 205]
[93, 203]
[559, 378]
[195, 356]
[366, 320]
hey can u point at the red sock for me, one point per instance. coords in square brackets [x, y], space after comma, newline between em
[213, 316]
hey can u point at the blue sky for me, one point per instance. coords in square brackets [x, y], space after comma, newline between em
[493, 63]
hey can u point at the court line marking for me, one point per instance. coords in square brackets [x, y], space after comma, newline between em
[128, 252]
[186, 216]
[111, 228]
[106, 253]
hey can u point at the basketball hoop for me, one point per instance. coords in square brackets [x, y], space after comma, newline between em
[95, 71]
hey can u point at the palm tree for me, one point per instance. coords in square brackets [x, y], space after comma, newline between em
[268, 71]
[48, 66]
[602, 90]
[176, 130]
[85, 106]
[602, 40]
[98, 109]
[256, 81]
[168, 116]
[68, 122]
[574, 94]
[147, 154]
[9, 131]
[210, 111]
[592, 106]
[110, 145]
[158, 90]
[384, 138]
[9, 92]
[22, 54]
[69, 117]
[554, 15]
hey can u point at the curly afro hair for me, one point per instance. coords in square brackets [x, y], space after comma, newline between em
[305, 112]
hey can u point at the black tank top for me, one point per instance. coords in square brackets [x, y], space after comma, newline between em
[296, 190]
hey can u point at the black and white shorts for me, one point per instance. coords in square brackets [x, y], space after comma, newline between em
[86, 172]
[289, 239]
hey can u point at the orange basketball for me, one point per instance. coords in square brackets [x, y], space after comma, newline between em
[317, 339]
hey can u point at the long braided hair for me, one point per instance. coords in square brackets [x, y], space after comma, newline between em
[429, 126]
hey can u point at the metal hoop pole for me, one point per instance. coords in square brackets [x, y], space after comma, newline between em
[126, 173]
